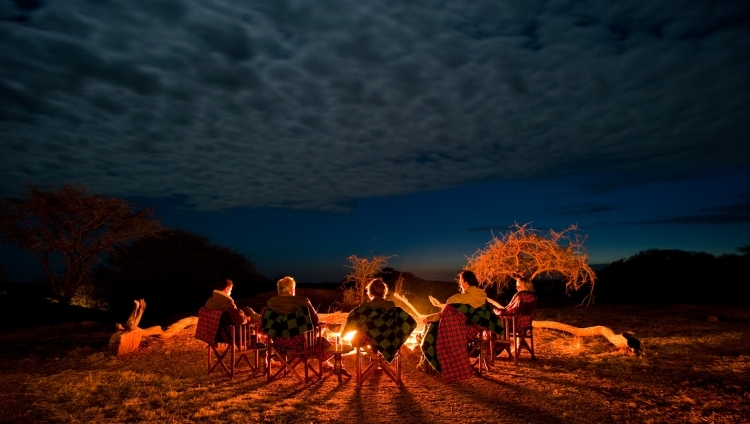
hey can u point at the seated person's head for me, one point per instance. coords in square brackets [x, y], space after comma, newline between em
[224, 285]
[524, 284]
[468, 278]
[377, 289]
[286, 286]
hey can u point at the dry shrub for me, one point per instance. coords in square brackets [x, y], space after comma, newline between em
[523, 251]
[363, 270]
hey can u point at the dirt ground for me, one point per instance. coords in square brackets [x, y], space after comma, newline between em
[695, 369]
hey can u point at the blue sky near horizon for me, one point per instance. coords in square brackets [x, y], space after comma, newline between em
[301, 133]
[431, 234]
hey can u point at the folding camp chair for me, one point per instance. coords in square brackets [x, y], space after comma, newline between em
[293, 341]
[229, 345]
[519, 333]
[369, 361]
[479, 351]
[380, 335]
[454, 345]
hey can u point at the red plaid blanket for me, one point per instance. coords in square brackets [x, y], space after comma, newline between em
[208, 325]
[295, 344]
[454, 334]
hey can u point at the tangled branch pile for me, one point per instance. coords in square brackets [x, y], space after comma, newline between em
[523, 251]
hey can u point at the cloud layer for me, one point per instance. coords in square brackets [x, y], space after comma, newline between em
[236, 103]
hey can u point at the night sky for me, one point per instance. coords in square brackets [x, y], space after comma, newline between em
[302, 132]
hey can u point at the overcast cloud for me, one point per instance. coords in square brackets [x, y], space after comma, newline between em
[314, 104]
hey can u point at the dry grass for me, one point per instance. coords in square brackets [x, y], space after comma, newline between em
[693, 371]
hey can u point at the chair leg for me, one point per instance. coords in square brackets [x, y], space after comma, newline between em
[398, 370]
[395, 376]
[208, 368]
[362, 374]
[261, 361]
[531, 337]
[305, 358]
[220, 357]
[233, 347]
[288, 365]
[359, 368]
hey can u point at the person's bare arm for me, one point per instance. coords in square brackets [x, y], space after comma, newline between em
[436, 303]
[494, 303]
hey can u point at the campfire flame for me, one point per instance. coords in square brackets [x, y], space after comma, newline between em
[349, 336]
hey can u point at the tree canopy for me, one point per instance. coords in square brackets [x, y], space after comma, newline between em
[67, 229]
[534, 254]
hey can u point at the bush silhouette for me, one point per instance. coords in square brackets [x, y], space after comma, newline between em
[673, 276]
[174, 274]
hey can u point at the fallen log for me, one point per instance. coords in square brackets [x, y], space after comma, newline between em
[171, 330]
[128, 337]
[616, 339]
[334, 317]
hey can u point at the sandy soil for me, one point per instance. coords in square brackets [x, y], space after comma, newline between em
[695, 369]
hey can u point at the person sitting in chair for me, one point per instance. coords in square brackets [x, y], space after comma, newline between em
[469, 293]
[222, 300]
[287, 302]
[445, 345]
[376, 291]
[379, 323]
[525, 294]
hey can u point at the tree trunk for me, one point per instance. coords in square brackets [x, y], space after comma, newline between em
[124, 342]
[135, 316]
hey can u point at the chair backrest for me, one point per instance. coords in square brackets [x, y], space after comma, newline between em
[527, 308]
[209, 321]
[525, 315]
[293, 331]
[275, 324]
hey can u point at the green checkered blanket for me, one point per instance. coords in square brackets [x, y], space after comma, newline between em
[429, 345]
[483, 316]
[386, 330]
[285, 325]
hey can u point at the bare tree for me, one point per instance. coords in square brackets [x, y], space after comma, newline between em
[363, 270]
[67, 229]
[532, 253]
